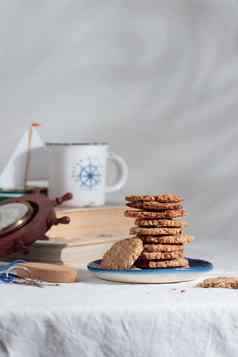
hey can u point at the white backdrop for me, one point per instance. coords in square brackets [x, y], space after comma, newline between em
[156, 79]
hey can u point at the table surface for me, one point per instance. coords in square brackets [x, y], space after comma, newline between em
[99, 318]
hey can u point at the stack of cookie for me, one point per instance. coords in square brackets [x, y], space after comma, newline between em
[159, 225]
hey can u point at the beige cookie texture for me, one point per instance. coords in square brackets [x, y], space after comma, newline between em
[155, 231]
[122, 254]
[220, 282]
[164, 198]
[160, 255]
[170, 223]
[157, 206]
[163, 247]
[174, 263]
[179, 239]
[155, 215]
[161, 206]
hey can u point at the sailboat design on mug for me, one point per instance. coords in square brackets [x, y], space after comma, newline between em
[26, 162]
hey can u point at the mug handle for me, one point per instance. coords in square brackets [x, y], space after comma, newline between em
[122, 172]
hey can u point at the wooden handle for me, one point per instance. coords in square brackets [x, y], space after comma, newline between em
[52, 273]
[59, 200]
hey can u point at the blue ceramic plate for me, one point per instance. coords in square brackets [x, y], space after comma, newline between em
[196, 269]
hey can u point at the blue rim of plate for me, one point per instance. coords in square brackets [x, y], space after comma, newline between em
[195, 266]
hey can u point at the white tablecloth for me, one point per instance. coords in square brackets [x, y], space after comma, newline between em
[95, 318]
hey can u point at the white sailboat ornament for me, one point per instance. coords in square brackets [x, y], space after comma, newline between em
[27, 162]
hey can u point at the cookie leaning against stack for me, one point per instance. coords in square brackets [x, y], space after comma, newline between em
[158, 224]
[122, 254]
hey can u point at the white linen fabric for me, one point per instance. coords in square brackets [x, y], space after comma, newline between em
[110, 320]
[95, 318]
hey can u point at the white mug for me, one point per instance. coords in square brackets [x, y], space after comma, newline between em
[80, 168]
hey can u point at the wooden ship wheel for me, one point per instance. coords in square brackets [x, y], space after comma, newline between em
[26, 219]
